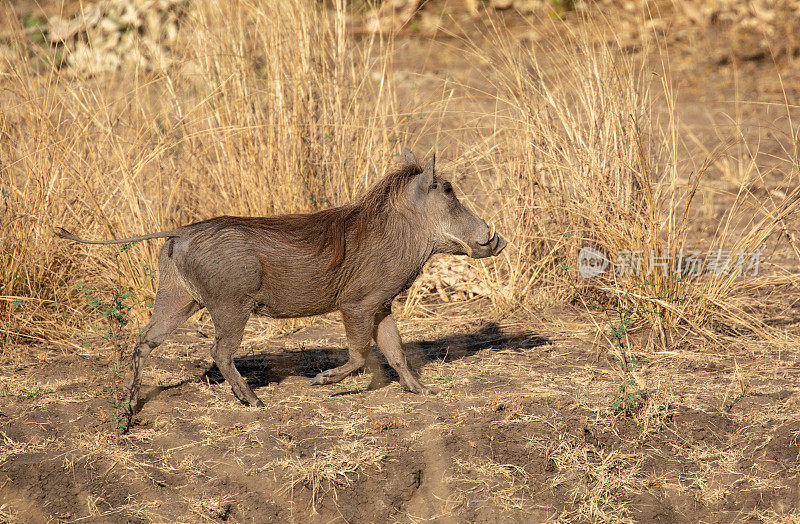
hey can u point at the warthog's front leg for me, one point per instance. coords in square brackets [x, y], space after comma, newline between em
[358, 328]
[387, 336]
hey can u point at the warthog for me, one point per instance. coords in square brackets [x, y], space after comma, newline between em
[354, 258]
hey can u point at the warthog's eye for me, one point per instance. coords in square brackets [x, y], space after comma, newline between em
[434, 185]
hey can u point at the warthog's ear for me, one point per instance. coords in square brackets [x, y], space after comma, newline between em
[407, 156]
[425, 179]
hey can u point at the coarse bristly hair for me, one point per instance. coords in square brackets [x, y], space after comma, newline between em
[329, 229]
[367, 212]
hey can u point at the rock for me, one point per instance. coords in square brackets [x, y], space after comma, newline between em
[115, 33]
[501, 4]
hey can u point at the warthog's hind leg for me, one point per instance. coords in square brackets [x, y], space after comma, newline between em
[358, 328]
[229, 329]
[172, 307]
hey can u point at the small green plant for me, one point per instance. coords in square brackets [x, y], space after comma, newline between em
[113, 316]
[113, 312]
[6, 390]
[313, 200]
[35, 392]
[32, 23]
[122, 415]
[630, 397]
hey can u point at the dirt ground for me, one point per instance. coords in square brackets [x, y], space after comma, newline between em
[534, 419]
[522, 429]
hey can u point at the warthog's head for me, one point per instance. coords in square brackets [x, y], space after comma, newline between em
[453, 227]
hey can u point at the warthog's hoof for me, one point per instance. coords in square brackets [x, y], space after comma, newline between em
[424, 391]
[419, 389]
[259, 404]
[332, 376]
[321, 379]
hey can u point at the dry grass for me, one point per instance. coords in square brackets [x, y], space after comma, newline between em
[540, 437]
[325, 470]
[272, 107]
[10, 447]
[600, 481]
[251, 119]
[589, 151]
[270, 114]
[486, 481]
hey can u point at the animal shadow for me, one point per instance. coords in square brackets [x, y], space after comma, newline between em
[261, 369]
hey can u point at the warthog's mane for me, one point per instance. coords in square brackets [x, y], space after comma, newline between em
[329, 229]
[369, 212]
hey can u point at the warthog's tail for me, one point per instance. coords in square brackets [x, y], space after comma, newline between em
[63, 233]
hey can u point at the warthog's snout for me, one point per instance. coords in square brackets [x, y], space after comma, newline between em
[473, 236]
[492, 247]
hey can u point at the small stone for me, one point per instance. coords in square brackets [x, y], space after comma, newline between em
[501, 4]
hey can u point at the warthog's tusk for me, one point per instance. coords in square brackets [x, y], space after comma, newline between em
[459, 241]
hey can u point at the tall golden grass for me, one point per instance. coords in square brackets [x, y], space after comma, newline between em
[273, 107]
[588, 150]
[269, 107]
